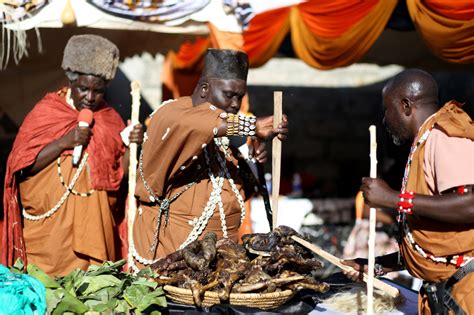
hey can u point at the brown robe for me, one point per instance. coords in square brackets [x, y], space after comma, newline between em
[435, 237]
[80, 233]
[173, 157]
[49, 120]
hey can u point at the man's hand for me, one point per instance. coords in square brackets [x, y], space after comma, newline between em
[378, 194]
[265, 130]
[136, 135]
[360, 267]
[75, 137]
[257, 150]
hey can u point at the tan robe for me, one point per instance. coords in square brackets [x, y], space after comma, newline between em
[173, 157]
[435, 237]
[80, 233]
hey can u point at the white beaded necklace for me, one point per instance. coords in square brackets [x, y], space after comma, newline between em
[215, 199]
[61, 201]
[458, 260]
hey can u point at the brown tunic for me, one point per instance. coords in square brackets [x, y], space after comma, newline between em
[173, 157]
[80, 233]
[439, 238]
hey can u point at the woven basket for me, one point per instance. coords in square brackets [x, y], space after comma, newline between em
[264, 301]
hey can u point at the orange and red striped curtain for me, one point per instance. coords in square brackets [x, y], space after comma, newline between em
[327, 34]
[446, 26]
[324, 33]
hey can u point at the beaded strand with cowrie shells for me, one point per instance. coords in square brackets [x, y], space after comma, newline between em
[215, 199]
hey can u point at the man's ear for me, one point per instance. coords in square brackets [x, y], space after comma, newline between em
[204, 89]
[407, 106]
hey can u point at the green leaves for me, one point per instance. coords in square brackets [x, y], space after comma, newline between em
[104, 289]
[140, 297]
[40, 275]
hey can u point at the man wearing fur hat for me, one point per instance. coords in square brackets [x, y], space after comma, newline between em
[67, 209]
[191, 180]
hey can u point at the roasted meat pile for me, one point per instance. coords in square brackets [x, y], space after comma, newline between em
[265, 262]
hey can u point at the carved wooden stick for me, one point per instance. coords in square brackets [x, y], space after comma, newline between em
[372, 220]
[276, 155]
[391, 291]
[132, 168]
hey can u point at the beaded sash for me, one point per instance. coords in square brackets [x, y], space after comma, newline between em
[457, 260]
[215, 200]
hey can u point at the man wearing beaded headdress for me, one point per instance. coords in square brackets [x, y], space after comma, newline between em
[190, 179]
[436, 202]
[60, 216]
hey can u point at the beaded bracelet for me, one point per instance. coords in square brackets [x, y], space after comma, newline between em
[461, 190]
[405, 205]
[240, 125]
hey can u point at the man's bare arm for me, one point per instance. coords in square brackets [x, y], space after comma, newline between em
[449, 207]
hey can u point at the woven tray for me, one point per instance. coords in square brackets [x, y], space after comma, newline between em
[264, 301]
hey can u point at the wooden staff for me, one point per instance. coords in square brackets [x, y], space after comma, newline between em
[276, 155]
[391, 291]
[132, 167]
[372, 217]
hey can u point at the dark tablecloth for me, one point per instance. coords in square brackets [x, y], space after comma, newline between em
[304, 302]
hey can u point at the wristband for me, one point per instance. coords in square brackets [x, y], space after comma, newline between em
[405, 205]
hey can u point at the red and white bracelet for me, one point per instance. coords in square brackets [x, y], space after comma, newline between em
[405, 205]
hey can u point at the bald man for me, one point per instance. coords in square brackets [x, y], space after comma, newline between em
[191, 179]
[436, 203]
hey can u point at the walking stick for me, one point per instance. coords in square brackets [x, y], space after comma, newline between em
[276, 155]
[132, 168]
[372, 217]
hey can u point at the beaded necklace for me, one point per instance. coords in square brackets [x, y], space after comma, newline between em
[74, 192]
[457, 260]
[69, 190]
[215, 200]
[413, 149]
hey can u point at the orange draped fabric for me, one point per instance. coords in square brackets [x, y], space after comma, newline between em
[181, 70]
[325, 33]
[446, 26]
[331, 19]
[265, 35]
[452, 9]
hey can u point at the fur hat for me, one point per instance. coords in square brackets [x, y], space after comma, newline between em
[225, 64]
[91, 54]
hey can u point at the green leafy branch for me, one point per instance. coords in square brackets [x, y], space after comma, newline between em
[104, 289]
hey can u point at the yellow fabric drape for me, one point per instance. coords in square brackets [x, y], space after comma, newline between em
[449, 39]
[315, 38]
[329, 53]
